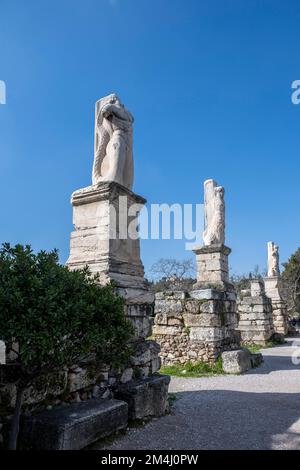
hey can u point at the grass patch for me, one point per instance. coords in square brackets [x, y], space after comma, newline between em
[200, 369]
[255, 348]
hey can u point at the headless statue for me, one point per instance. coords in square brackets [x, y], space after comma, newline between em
[214, 233]
[113, 160]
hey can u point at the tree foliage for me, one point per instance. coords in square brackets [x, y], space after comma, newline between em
[291, 280]
[51, 317]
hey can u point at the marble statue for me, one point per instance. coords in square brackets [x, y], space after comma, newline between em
[214, 233]
[273, 260]
[113, 160]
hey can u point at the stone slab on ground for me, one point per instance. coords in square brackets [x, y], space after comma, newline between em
[75, 426]
[258, 410]
[145, 398]
[236, 362]
[256, 360]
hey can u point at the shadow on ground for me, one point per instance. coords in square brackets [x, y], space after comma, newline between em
[222, 419]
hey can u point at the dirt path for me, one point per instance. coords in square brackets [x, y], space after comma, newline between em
[257, 410]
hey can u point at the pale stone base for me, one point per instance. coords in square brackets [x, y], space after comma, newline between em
[100, 241]
[103, 217]
[195, 326]
[273, 291]
[212, 266]
[255, 316]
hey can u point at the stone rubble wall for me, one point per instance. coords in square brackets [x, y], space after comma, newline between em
[195, 326]
[255, 319]
[85, 380]
[273, 289]
[280, 317]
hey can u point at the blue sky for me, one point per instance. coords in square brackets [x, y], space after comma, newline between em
[209, 84]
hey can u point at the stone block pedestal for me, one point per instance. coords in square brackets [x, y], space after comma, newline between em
[212, 266]
[255, 316]
[273, 291]
[105, 238]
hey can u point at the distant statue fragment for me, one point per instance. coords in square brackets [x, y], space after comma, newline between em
[273, 260]
[113, 160]
[214, 233]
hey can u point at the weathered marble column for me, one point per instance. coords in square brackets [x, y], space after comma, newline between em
[273, 288]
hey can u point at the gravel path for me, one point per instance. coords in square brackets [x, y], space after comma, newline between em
[257, 410]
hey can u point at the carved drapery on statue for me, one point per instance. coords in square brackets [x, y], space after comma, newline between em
[113, 160]
[273, 260]
[214, 233]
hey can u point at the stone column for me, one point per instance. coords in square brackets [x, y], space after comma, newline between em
[255, 315]
[103, 216]
[212, 267]
[273, 289]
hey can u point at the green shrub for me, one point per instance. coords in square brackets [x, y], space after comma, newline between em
[56, 317]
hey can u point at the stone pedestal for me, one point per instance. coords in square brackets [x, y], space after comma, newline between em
[273, 291]
[102, 215]
[255, 312]
[105, 238]
[212, 266]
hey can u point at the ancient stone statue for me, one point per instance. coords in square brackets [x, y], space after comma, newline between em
[113, 159]
[214, 233]
[273, 260]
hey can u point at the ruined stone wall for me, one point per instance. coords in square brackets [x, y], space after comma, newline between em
[195, 326]
[83, 381]
[255, 316]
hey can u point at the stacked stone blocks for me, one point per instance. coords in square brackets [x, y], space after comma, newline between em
[255, 315]
[195, 326]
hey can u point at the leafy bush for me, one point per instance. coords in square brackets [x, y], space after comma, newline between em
[51, 317]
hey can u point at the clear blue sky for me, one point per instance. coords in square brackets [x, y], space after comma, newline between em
[209, 84]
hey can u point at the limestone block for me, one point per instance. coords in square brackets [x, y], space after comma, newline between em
[75, 426]
[236, 362]
[168, 307]
[192, 306]
[145, 398]
[144, 352]
[212, 306]
[256, 359]
[207, 334]
[161, 319]
[142, 326]
[155, 364]
[98, 240]
[203, 319]
[257, 288]
[174, 321]
[207, 294]
[139, 310]
[212, 264]
[167, 330]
